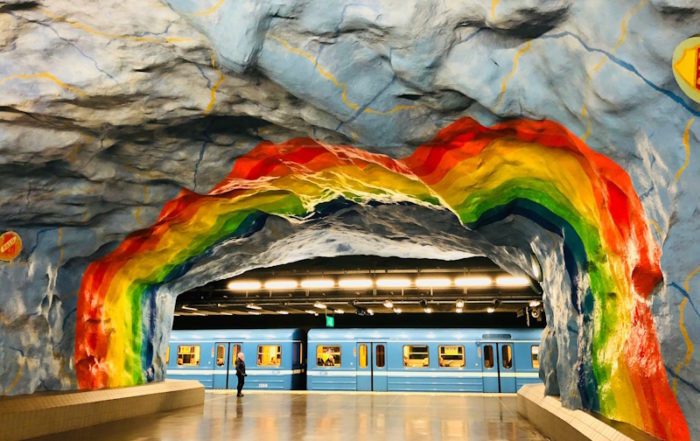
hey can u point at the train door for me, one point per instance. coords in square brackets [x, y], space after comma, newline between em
[379, 372]
[489, 363]
[371, 366]
[506, 375]
[225, 354]
[364, 366]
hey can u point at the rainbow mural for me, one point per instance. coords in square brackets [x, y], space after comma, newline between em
[537, 169]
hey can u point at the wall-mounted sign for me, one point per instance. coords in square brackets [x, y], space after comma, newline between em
[10, 245]
[686, 67]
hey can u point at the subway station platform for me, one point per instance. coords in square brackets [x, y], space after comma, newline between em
[326, 416]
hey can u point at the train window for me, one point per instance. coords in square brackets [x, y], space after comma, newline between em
[188, 355]
[379, 356]
[220, 355]
[451, 356]
[301, 353]
[328, 356]
[363, 356]
[488, 356]
[535, 353]
[269, 355]
[507, 356]
[416, 356]
[235, 349]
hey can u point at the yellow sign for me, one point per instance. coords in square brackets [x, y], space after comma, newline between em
[686, 67]
[10, 246]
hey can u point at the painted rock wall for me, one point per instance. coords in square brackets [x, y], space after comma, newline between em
[107, 111]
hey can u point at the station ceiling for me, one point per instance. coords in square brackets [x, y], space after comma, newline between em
[367, 285]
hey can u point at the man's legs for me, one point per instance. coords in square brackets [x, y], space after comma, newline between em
[240, 384]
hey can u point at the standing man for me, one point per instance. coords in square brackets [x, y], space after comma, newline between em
[240, 372]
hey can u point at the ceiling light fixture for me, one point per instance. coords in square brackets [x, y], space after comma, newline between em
[252, 306]
[281, 284]
[317, 283]
[339, 311]
[319, 305]
[311, 311]
[355, 283]
[283, 312]
[397, 310]
[534, 303]
[512, 281]
[198, 313]
[244, 285]
[473, 281]
[388, 304]
[370, 312]
[433, 282]
[254, 313]
[188, 308]
[428, 310]
[393, 282]
[459, 304]
[490, 310]
[458, 310]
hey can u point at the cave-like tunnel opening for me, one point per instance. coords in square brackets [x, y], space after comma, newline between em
[367, 291]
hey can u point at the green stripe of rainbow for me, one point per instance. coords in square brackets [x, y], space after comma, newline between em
[473, 171]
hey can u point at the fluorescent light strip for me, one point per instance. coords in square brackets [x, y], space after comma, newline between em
[355, 283]
[244, 285]
[473, 281]
[393, 282]
[252, 306]
[433, 282]
[317, 283]
[188, 308]
[281, 284]
[512, 281]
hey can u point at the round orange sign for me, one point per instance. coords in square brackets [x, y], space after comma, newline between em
[10, 245]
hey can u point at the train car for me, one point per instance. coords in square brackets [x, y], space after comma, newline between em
[274, 357]
[447, 360]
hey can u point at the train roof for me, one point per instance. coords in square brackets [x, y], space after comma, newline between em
[235, 334]
[425, 334]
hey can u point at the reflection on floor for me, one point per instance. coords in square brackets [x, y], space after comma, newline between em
[327, 417]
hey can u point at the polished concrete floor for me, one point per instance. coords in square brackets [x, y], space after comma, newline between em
[272, 416]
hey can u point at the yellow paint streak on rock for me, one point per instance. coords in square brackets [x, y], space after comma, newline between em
[99, 33]
[656, 227]
[493, 7]
[44, 75]
[596, 68]
[686, 146]
[216, 85]
[342, 86]
[16, 380]
[686, 337]
[504, 85]
[210, 10]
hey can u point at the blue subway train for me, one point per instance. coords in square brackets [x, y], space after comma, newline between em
[274, 357]
[446, 360]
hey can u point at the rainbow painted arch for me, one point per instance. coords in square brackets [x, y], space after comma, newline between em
[537, 169]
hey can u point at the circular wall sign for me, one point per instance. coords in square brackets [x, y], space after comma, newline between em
[10, 245]
[686, 67]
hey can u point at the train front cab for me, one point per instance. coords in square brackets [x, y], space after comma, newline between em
[274, 358]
